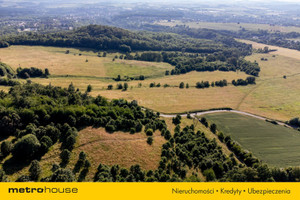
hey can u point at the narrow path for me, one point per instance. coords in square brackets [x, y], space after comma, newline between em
[220, 111]
[257, 86]
[247, 94]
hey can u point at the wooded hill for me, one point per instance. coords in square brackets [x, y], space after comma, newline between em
[187, 48]
[111, 38]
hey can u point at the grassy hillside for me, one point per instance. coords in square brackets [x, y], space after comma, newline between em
[274, 96]
[119, 148]
[88, 64]
[273, 144]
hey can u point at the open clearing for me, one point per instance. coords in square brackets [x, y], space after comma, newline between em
[174, 100]
[120, 148]
[273, 144]
[231, 26]
[88, 64]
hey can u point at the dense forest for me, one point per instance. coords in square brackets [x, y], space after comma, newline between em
[187, 62]
[111, 38]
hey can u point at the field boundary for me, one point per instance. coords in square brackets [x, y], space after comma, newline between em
[195, 114]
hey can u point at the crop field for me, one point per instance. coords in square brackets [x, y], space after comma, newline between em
[231, 26]
[273, 144]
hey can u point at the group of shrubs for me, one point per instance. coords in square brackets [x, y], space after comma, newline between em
[247, 81]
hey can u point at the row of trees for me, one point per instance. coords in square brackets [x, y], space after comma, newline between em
[202, 84]
[248, 80]
[281, 39]
[32, 72]
[6, 70]
[128, 78]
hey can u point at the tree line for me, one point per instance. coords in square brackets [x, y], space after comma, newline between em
[225, 60]
[199, 85]
[6, 70]
[32, 72]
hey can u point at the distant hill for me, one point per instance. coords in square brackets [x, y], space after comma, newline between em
[100, 37]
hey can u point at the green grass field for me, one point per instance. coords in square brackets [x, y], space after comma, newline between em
[274, 144]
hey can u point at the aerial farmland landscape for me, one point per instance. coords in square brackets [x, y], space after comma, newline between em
[98, 91]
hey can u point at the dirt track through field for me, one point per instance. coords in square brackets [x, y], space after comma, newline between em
[219, 111]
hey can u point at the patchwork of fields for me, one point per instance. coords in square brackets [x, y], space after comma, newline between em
[276, 95]
[231, 26]
[273, 96]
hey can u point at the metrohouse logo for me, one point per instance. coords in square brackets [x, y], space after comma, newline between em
[49, 190]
